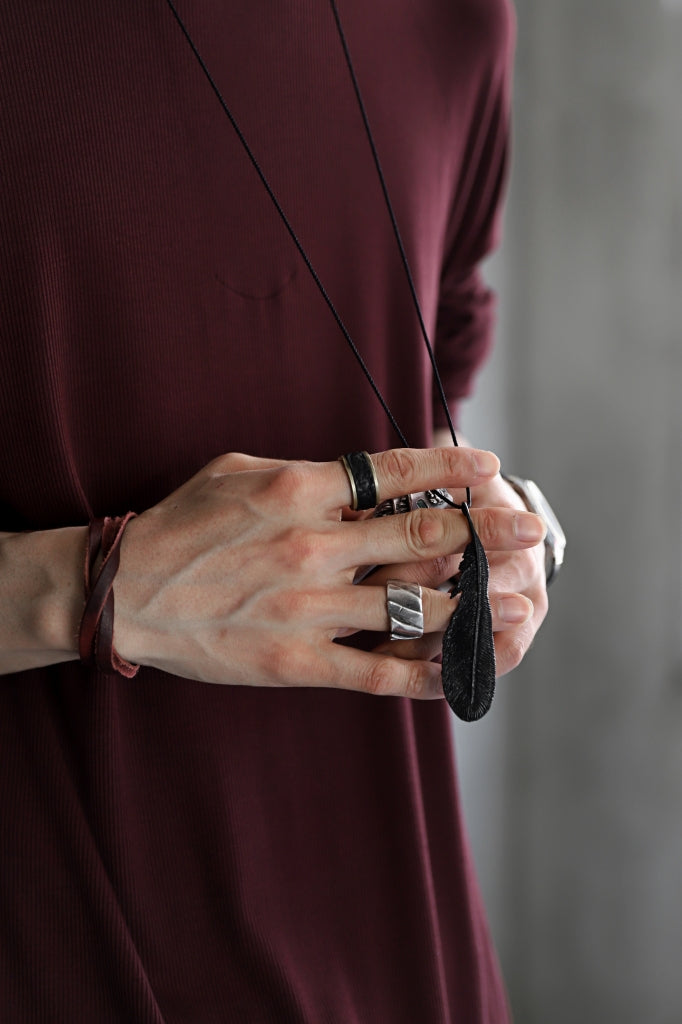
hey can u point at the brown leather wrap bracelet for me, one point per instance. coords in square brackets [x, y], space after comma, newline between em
[96, 634]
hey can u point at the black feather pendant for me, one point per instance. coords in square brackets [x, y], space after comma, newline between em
[468, 649]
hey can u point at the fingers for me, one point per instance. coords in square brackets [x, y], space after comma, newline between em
[506, 609]
[349, 609]
[364, 608]
[433, 573]
[402, 470]
[510, 571]
[512, 641]
[511, 646]
[383, 676]
[250, 561]
[428, 534]
[517, 571]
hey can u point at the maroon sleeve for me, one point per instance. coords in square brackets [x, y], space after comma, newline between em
[466, 307]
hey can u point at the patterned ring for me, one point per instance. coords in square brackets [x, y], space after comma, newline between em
[405, 610]
[440, 498]
[363, 480]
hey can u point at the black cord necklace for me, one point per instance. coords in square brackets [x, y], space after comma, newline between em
[468, 649]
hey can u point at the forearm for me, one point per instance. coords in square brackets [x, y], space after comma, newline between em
[41, 597]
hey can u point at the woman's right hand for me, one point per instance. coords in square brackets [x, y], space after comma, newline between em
[244, 575]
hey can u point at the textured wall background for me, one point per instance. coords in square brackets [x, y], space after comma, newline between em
[573, 785]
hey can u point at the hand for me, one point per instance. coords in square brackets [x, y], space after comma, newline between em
[244, 574]
[517, 584]
[517, 588]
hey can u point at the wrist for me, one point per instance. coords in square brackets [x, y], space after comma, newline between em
[42, 596]
[131, 635]
[96, 635]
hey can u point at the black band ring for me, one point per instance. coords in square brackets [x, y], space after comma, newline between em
[363, 480]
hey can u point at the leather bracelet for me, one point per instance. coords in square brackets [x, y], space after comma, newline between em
[96, 634]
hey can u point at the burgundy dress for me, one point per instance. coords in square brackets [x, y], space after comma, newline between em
[172, 851]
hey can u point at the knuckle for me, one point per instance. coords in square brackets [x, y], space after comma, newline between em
[298, 605]
[303, 550]
[488, 526]
[289, 488]
[379, 678]
[230, 462]
[396, 465]
[442, 567]
[431, 572]
[413, 680]
[395, 677]
[459, 462]
[424, 530]
[284, 485]
[281, 607]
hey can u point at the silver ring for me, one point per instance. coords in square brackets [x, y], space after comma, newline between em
[405, 610]
[440, 498]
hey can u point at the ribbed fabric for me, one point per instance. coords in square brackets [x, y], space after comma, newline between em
[171, 851]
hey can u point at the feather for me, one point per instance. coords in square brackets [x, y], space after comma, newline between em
[468, 649]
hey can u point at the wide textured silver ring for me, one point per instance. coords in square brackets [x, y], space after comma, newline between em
[405, 610]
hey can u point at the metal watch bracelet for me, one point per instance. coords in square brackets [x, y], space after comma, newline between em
[555, 539]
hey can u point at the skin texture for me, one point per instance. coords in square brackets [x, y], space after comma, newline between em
[282, 535]
[245, 575]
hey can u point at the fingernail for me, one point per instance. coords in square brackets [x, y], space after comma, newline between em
[529, 527]
[514, 609]
[487, 463]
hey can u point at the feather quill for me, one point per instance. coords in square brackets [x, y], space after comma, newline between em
[468, 649]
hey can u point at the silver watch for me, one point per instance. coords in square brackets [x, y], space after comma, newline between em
[555, 539]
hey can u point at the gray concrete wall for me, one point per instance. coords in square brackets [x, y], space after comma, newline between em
[573, 785]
